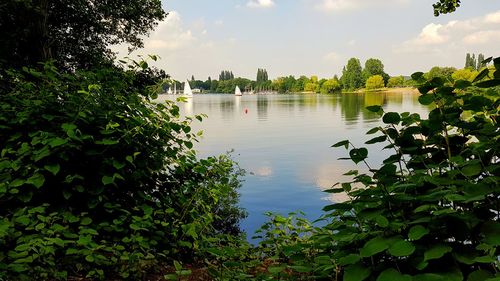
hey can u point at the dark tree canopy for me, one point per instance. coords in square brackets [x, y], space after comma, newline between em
[75, 33]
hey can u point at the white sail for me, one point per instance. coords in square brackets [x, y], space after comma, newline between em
[237, 91]
[187, 89]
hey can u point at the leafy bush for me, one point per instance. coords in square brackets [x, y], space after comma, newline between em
[430, 212]
[397, 81]
[96, 180]
[374, 82]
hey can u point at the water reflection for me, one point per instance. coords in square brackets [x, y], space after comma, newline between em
[262, 107]
[284, 143]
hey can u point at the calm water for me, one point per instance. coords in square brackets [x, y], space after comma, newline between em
[284, 143]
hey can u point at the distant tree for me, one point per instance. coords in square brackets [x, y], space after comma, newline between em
[397, 81]
[284, 84]
[261, 76]
[473, 63]
[300, 84]
[374, 67]
[352, 76]
[468, 61]
[374, 82]
[343, 78]
[226, 75]
[331, 86]
[321, 82]
[443, 72]
[464, 74]
[311, 87]
[192, 78]
[480, 64]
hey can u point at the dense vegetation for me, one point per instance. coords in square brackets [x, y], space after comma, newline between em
[99, 181]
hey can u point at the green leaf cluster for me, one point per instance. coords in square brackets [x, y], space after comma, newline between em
[430, 211]
[97, 180]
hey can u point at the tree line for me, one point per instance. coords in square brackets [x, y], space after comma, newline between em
[354, 77]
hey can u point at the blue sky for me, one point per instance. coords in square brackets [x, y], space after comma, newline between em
[317, 37]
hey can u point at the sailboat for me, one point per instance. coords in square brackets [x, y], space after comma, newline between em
[187, 90]
[237, 91]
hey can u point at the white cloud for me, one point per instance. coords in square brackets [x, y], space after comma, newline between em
[432, 34]
[347, 5]
[493, 17]
[445, 38]
[260, 3]
[482, 37]
[337, 5]
[170, 34]
[332, 56]
[219, 22]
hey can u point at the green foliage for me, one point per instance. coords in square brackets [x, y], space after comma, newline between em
[331, 86]
[445, 6]
[374, 67]
[440, 72]
[226, 75]
[228, 86]
[97, 180]
[75, 34]
[430, 211]
[374, 82]
[474, 64]
[352, 75]
[261, 76]
[397, 81]
[464, 74]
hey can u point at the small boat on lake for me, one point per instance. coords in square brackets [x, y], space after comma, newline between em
[237, 91]
[187, 90]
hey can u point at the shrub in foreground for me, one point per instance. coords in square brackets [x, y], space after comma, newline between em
[96, 180]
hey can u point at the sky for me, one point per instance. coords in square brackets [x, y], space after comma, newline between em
[317, 37]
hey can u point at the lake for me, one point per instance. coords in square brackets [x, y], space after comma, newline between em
[284, 143]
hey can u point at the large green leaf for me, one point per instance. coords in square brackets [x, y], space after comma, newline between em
[37, 180]
[54, 168]
[349, 259]
[358, 154]
[472, 169]
[491, 232]
[392, 274]
[417, 232]
[344, 143]
[436, 252]
[391, 118]
[401, 248]
[426, 99]
[374, 246]
[356, 272]
[479, 275]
